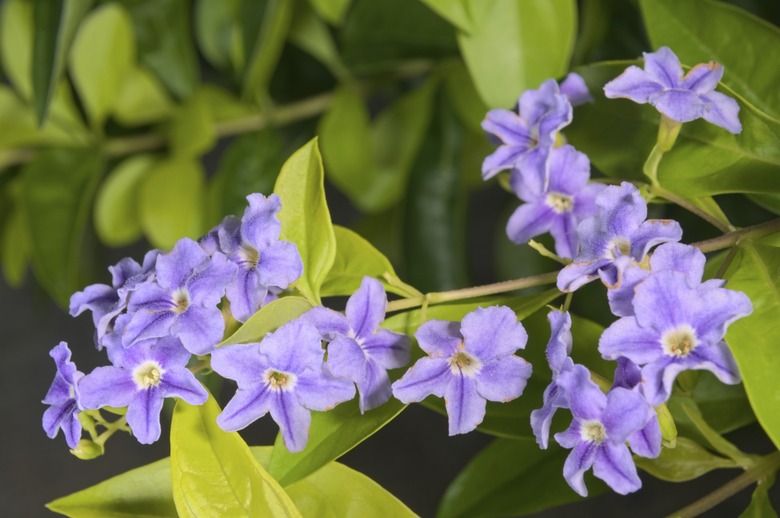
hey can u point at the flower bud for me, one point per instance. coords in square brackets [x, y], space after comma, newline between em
[88, 450]
[668, 428]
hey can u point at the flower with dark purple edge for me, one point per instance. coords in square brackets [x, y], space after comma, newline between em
[468, 364]
[358, 349]
[284, 375]
[141, 377]
[558, 351]
[600, 426]
[263, 260]
[106, 302]
[669, 256]
[560, 205]
[64, 398]
[647, 441]
[182, 300]
[676, 327]
[526, 135]
[679, 97]
[575, 89]
[615, 238]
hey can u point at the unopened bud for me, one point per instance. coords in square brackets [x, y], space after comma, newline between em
[87, 450]
[668, 428]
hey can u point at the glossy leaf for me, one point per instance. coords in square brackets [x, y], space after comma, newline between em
[523, 480]
[305, 217]
[268, 40]
[142, 99]
[171, 198]
[214, 472]
[618, 134]
[103, 54]
[454, 11]
[116, 215]
[753, 339]
[56, 22]
[331, 10]
[694, 29]
[268, 319]
[165, 43]
[514, 46]
[686, 461]
[760, 505]
[331, 435]
[57, 191]
[192, 128]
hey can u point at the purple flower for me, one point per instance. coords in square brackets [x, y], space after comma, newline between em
[64, 398]
[647, 441]
[358, 349]
[284, 375]
[182, 300]
[617, 237]
[679, 97]
[140, 378]
[676, 327]
[575, 89]
[263, 261]
[600, 427]
[561, 203]
[468, 364]
[527, 134]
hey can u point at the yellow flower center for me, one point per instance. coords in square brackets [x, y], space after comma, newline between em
[559, 202]
[249, 255]
[463, 362]
[593, 431]
[181, 298]
[679, 341]
[279, 380]
[148, 374]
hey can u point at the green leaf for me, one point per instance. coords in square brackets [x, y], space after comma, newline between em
[753, 340]
[215, 24]
[465, 100]
[213, 471]
[522, 480]
[618, 134]
[16, 248]
[760, 505]
[192, 128]
[116, 205]
[305, 217]
[268, 319]
[357, 258]
[310, 33]
[454, 11]
[20, 127]
[694, 29]
[268, 40]
[142, 99]
[56, 22]
[331, 435]
[514, 46]
[57, 191]
[165, 44]
[686, 461]
[332, 11]
[171, 198]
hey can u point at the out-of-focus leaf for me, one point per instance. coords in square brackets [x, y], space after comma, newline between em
[770, 202]
[142, 99]
[116, 205]
[56, 22]
[760, 505]
[103, 54]
[215, 24]
[523, 480]
[312, 35]
[268, 38]
[514, 46]
[305, 217]
[57, 191]
[214, 472]
[756, 271]
[454, 11]
[171, 200]
[686, 461]
[165, 44]
[16, 248]
[225, 106]
[464, 97]
[332, 11]
[331, 435]
[20, 127]
[267, 319]
[192, 128]
[693, 29]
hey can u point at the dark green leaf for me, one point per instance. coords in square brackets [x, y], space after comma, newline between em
[215, 29]
[57, 191]
[694, 30]
[56, 22]
[514, 46]
[522, 480]
[165, 44]
[267, 42]
[753, 340]
[311, 34]
[454, 11]
[305, 217]
[331, 10]
[464, 98]
[331, 435]
[15, 248]
[686, 461]
[268, 319]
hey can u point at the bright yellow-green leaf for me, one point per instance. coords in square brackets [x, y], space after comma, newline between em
[103, 54]
[192, 128]
[19, 127]
[142, 99]
[116, 206]
[268, 319]
[215, 474]
[332, 11]
[454, 11]
[171, 198]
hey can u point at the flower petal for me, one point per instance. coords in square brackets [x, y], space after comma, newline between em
[703, 78]
[613, 464]
[465, 407]
[329, 323]
[621, 296]
[503, 158]
[280, 264]
[541, 419]
[143, 415]
[528, 221]
[180, 382]
[492, 333]
[107, 386]
[293, 419]
[626, 412]
[504, 379]
[577, 463]
[246, 294]
[658, 379]
[247, 406]
[664, 66]
[390, 350]
[651, 233]
[175, 267]
[294, 347]
[508, 127]
[627, 339]
[723, 111]
[679, 105]
[664, 301]
[428, 376]
[564, 232]
[585, 398]
[718, 308]
[207, 285]
[366, 307]
[575, 89]
[682, 258]
[718, 360]
[647, 441]
[240, 362]
[374, 387]
[199, 329]
[559, 345]
[259, 226]
[321, 390]
[346, 359]
[439, 338]
[634, 84]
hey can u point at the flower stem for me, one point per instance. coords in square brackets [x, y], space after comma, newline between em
[111, 428]
[650, 168]
[766, 466]
[472, 293]
[732, 238]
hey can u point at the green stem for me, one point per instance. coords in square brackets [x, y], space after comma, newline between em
[732, 238]
[472, 293]
[650, 168]
[766, 466]
[111, 429]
